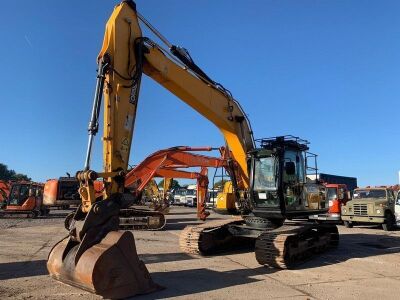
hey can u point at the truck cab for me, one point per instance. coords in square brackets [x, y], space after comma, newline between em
[337, 195]
[179, 196]
[371, 205]
[191, 197]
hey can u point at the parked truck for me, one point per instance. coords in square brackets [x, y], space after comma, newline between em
[179, 196]
[371, 205]
[191, 195]
[350, 182]
[338, 192]
[337, 196]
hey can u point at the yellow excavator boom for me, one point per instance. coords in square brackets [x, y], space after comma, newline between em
[96, 256]
[130, 54]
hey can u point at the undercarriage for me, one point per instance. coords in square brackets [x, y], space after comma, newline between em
[133, 218]
[275, 246]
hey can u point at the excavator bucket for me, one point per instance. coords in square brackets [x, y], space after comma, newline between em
[110, 268]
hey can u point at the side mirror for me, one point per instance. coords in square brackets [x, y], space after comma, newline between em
[31, 193]
[290, 168]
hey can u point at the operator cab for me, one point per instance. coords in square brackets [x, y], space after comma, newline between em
[279, 188]
[20, 193]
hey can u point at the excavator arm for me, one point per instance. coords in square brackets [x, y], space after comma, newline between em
[95, 246]
[124, 56]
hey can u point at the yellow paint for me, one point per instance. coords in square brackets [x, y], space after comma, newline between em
[119, 112]
[122, 29]
[226, 199]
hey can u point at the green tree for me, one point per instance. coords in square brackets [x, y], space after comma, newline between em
[175, 184]
[220, 184]
[9, 174]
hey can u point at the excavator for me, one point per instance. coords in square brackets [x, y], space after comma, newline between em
[25, 199]
[167, 162]
[202, 187]
[4, 191]
[140, 181]
[63, 192]
[269, 180]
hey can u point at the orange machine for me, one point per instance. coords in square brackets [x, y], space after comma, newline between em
[25, 198]
[165, 163]
[63, 192]
[4, 192]
[337, 194]
[202, 185]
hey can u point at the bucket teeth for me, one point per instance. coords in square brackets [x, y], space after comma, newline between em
[110, 268]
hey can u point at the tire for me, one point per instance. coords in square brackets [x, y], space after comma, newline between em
[347, 224]
[389, 222]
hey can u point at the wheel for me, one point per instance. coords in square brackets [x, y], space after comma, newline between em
[347, 224]
[389, 222]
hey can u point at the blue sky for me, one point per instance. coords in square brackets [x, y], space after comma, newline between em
[327, 71]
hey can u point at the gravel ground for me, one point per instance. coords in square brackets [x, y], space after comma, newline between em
[56, 217]
[366, 265]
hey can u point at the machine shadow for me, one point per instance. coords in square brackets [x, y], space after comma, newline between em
[174, 213]
[355, 245]
[22, 269]
[164, 257]
[53, 216]
[188, 282]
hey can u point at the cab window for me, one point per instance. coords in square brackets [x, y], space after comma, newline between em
[298, 159]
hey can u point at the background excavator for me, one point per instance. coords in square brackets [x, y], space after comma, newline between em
[24, 198]
[63, 192]
[140, 181]
[167, 163]
[268, 181]
[4, 192]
